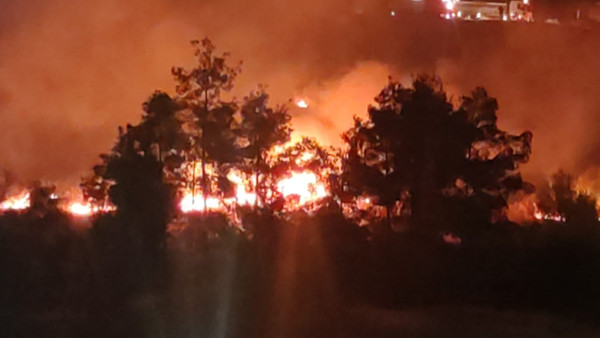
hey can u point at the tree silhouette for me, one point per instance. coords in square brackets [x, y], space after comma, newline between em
[95, 187]
[43, 198]
[159, 134]
[494, 155]
[163, 127]
[415, 153]
[210, 119]
[136, 234]
[262, 128]
[577, 208]
[408, 144]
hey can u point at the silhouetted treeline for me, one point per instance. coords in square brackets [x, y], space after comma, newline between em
[442, 176]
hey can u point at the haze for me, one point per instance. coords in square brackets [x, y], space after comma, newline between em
[73, 71]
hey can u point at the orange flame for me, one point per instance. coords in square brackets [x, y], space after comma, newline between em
[195, 203]
[305, 185]
[19, 202]
[242, 195]
[86, 209]
[299, 189]
[22, 201]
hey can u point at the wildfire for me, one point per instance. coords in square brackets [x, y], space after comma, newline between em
[80, 209]
[19, 202]
[305, 186]
[555, 217]
[298, 177]
[86, 209]
[195, 203]
[242, 194]
[22, 201]
[298, 180]
[298, 189]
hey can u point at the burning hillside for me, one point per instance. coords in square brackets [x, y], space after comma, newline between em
[214, 153]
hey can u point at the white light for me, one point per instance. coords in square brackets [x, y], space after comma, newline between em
[392, 13]
[301, 103]
[80, 209]
[459, 14]
[504, 17]
[447, 16]
[526, 2]
[478, 15]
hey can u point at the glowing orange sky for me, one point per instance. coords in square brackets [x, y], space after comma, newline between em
[73, 71]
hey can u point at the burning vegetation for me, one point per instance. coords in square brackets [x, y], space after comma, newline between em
[211, 209]
[414, 153]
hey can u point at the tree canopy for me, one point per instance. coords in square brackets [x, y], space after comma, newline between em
[415, 153]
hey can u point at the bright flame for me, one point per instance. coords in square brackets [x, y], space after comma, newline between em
[80, 209]
[541, 216]
[19, 202]
[22, 201]
[195, 203]
[242, 195]
[305, 185]
[538, 215]
[364, 203]
[86, 209]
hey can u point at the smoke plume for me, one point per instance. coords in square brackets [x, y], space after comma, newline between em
[73, 71]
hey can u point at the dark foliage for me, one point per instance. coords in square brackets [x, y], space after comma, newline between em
[303, 275]
[415, 153]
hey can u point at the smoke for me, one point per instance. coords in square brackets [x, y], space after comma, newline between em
[73, 71]
[333, 103]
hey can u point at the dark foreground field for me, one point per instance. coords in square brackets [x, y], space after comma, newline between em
[313, 276]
